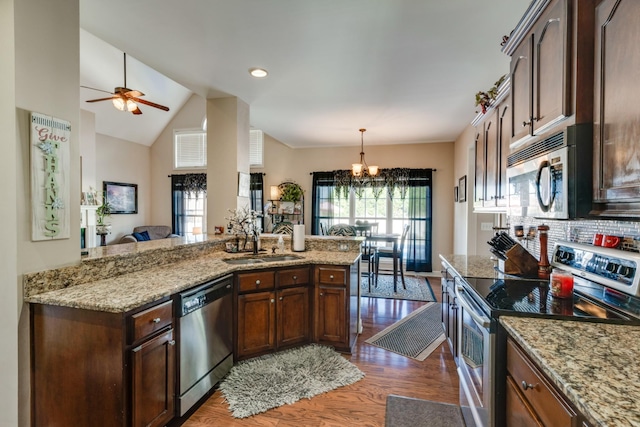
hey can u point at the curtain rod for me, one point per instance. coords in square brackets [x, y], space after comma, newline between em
[169, 176]
[433, 170]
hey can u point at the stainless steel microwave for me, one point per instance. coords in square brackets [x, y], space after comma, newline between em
[553, 178]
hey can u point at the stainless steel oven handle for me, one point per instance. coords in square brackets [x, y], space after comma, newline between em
[468, 306]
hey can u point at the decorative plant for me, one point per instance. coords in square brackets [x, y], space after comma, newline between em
[484, 99]
[290, 192]
[103, 211]
[243, 222]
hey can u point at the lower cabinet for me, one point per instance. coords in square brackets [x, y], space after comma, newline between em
[273, 310]
[118, 368]
[337, 305]
[531, 400]
[449, 311]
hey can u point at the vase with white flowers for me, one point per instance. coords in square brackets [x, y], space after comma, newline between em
[243, 222]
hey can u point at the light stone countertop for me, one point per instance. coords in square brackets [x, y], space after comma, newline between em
[596, 365]
[470, 265]
[125, 292]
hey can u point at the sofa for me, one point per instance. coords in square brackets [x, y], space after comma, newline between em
[148, 232]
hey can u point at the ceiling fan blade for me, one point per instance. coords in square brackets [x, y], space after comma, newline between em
[100, 99]
[150, 104]
[136, 111]
[99, 90]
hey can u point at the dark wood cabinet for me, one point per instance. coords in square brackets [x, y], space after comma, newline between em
[337, 306]
[120, 366]
[492, 150]
[532, 398]
[273, 310]
[540, 73]
[616, 110]
[153, 381]
[449, 311]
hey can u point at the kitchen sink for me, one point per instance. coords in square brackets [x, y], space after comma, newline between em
[261, 260]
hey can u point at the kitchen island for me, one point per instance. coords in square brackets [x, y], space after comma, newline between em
[595, 365]
[110, 338]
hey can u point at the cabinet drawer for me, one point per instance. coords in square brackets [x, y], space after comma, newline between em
[293, 277]
[332, 276]
[550, 407]
[258, 281]
[151, 320]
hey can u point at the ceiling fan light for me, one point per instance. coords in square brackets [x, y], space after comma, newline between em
[119, 103]
[131, 106]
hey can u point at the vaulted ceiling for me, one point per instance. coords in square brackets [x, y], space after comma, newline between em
[407, 70]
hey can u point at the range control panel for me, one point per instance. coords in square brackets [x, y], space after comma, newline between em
[610, 267]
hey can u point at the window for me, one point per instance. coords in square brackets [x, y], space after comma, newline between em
[408, 203]
[190, 149]
[256, 148]
[189, 204]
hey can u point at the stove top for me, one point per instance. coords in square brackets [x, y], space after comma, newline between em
[532, 297]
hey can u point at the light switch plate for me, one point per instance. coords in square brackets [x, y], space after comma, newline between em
[486, 226]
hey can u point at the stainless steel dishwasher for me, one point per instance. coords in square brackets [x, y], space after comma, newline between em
[205, 341]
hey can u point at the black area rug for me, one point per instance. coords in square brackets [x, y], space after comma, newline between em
[414, 336]
[259, 384]
[409, 412]
[418, 288]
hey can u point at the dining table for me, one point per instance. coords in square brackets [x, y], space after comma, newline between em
[388, 238]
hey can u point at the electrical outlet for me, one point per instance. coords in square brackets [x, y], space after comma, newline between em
[486, 226]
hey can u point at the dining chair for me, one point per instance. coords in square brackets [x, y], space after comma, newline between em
[323, 229]
[388, 252]
[341, 230]
[365, 229]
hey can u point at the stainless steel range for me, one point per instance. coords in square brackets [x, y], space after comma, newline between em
[606, 289]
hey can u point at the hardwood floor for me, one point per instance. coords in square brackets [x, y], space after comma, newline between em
[362, 403]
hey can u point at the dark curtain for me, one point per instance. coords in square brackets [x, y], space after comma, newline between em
[418, 244]
[257, 195]
[177, 204]
[323, 183]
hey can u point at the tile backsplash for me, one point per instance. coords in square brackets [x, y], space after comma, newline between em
[581, 231]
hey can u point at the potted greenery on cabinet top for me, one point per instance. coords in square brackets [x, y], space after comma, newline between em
[290, 192]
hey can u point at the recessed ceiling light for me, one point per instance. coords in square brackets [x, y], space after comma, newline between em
[258, 72]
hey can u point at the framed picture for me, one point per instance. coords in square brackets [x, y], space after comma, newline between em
[455, 193]
[122, 197]
[244, 181]
[462, 189]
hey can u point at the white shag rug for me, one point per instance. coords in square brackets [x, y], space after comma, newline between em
[257, 385]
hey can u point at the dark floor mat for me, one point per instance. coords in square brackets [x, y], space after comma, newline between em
[410, 412]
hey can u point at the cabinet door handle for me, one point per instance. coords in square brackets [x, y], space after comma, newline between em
[525, 385]
[331, 277]
[172, 342]
[321, 294]
[525, 124]
[280, 298]
[156, 320]
[295, 278]
[257, 282]
[272, 300]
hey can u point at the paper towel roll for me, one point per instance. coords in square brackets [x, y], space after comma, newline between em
[298, 237]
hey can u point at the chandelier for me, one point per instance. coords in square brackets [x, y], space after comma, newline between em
[362, 170]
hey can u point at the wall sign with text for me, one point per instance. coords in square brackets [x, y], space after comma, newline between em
[50, 180]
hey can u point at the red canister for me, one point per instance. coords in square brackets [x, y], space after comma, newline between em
[561, 283]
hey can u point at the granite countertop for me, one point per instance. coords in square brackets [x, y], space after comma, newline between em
[471, 265]
[125, 292]
[596, 365]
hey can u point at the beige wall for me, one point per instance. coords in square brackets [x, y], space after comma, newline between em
[124, 161]
[88, 150]
[11, 301]
[45, 36]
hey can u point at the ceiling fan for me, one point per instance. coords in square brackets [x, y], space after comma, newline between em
[125, 99]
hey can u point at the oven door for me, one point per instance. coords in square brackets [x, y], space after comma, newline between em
[475, 364]
[538, 187]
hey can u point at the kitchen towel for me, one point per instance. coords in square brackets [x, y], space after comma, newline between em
[298, 237]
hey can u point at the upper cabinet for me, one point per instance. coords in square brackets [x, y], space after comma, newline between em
[616, 108]
[547, 48]
[492, 130]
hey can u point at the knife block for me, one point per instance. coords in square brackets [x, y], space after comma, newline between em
[520, 262]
